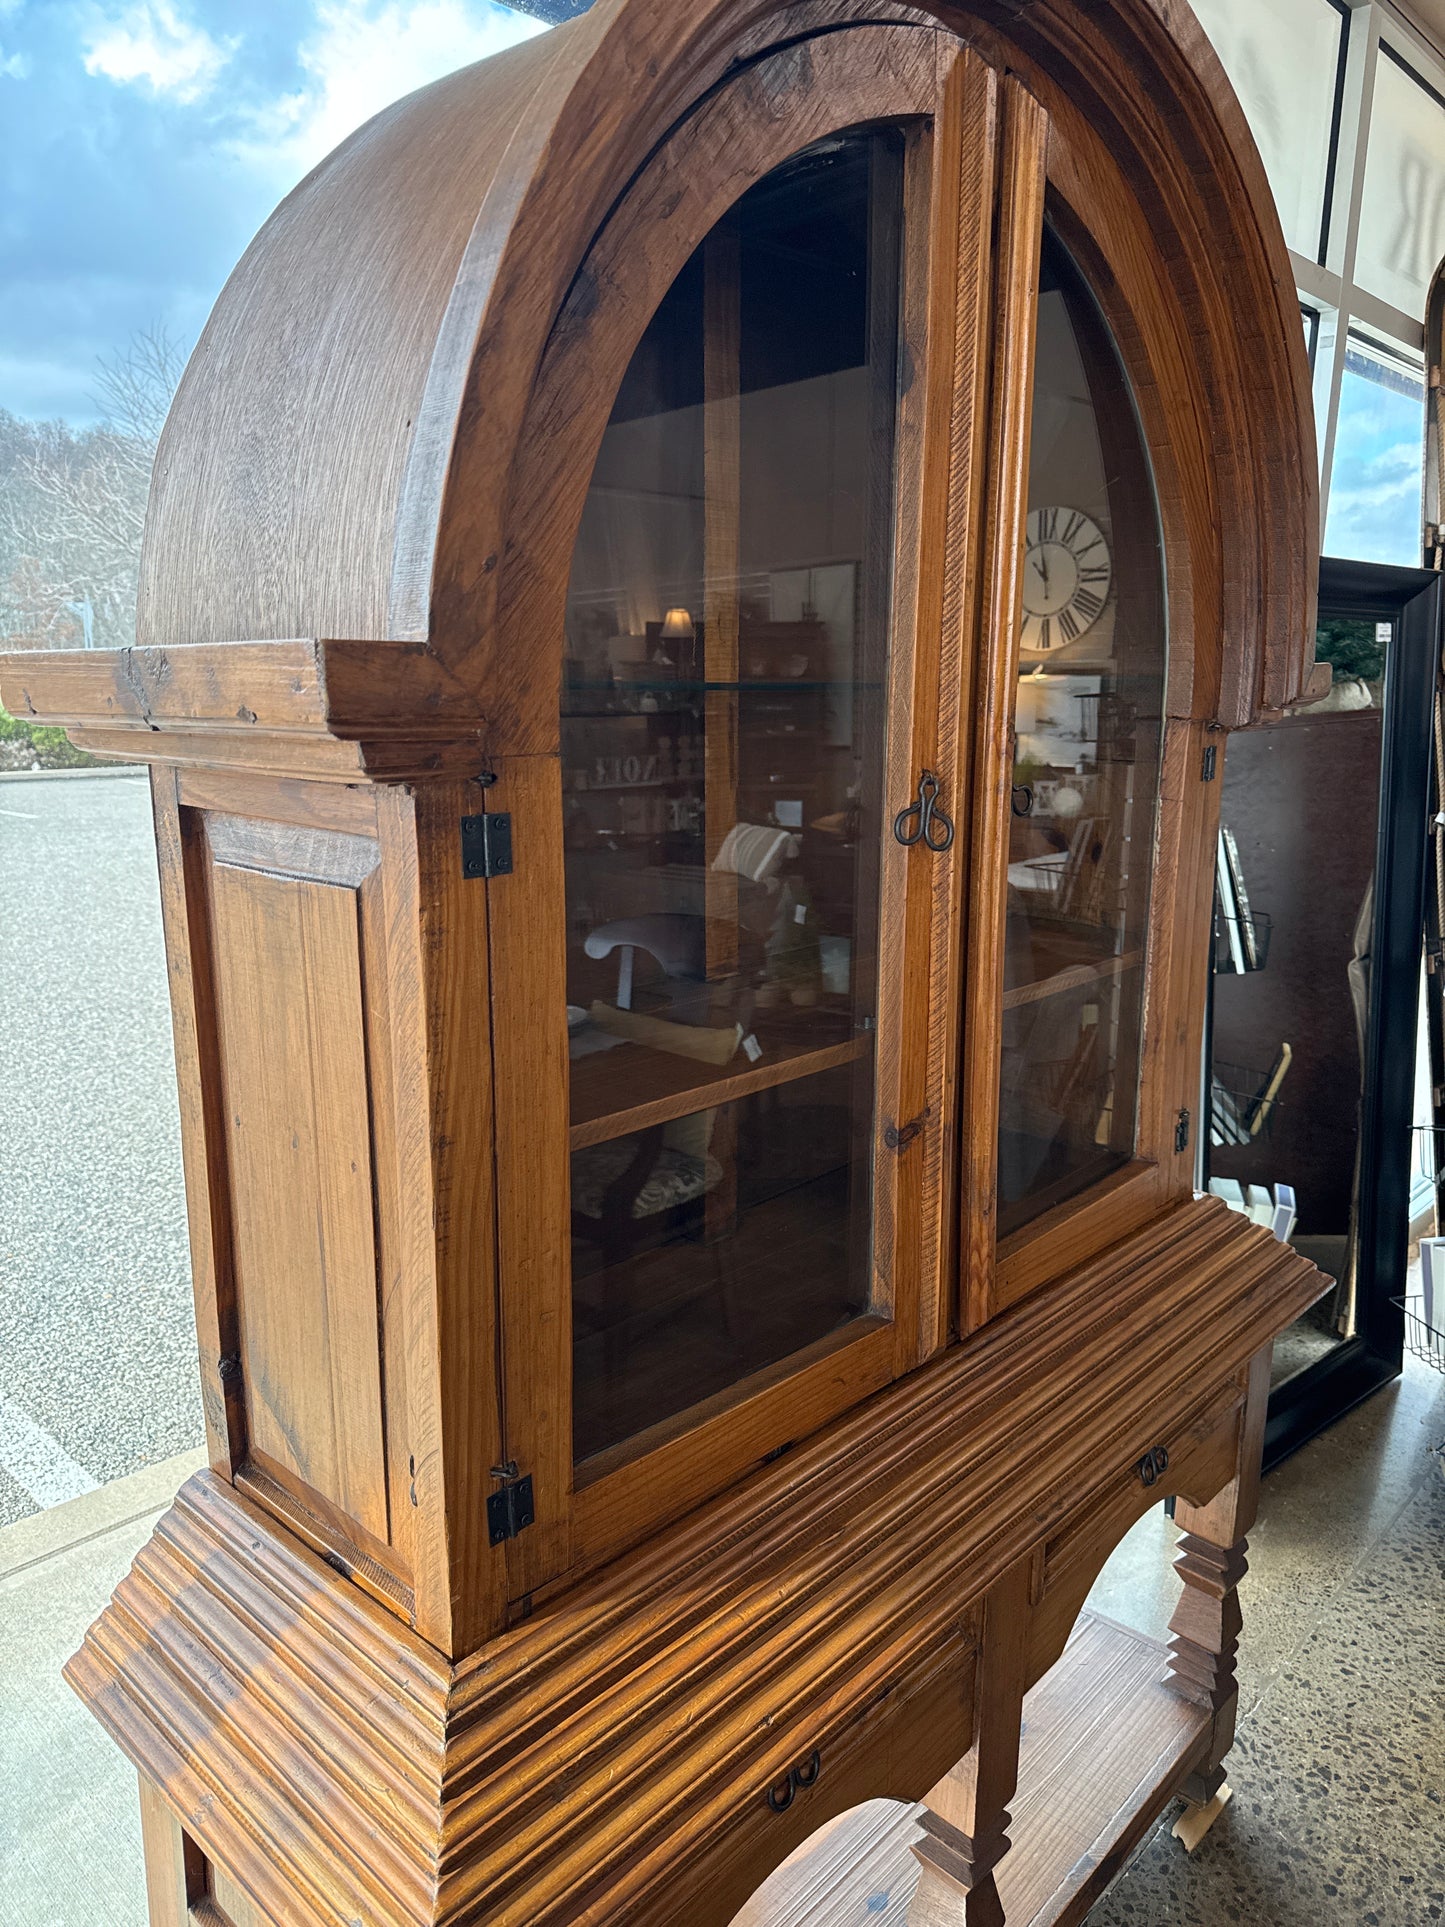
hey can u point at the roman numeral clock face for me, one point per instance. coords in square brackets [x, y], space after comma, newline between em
[1067, 571]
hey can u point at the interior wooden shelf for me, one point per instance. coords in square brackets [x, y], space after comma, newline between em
[1105, 1743]
[1075, 977]
[658, 1086]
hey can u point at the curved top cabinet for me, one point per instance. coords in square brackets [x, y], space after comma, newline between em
[351, 452]
[692, 589]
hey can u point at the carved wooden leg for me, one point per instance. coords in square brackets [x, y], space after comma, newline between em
[183, 1889]
[966, 1815]
[1211, 1562]
[175, 1866]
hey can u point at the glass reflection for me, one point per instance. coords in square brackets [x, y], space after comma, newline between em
[1088, 720]
[1375, 482]
[722, 742]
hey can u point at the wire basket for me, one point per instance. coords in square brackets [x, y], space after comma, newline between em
[1422, 1339]
[1252, 934]
[1240, 1109]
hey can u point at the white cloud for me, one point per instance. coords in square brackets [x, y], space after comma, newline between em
[363, 55]
[1374, 511]
[152, 43]
[14, 66]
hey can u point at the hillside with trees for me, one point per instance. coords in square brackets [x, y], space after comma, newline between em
[72, 506]
[72, 509]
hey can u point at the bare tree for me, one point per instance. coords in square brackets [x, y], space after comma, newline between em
[134, 387]
[72, 505]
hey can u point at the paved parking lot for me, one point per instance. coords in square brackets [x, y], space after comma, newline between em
[97, 1374]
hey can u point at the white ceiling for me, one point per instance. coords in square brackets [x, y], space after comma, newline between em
[1428, 16]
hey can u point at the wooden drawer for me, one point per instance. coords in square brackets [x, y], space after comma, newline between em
[895, 1742]
[1200, 1453]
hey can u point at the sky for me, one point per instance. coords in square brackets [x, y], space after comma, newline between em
[1374, 507]
[143, 142]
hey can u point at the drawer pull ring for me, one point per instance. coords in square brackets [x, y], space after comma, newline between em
[1153, 1465]
[785, 1791]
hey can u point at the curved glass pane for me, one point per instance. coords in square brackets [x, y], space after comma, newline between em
[1088, 720]
[722, 753]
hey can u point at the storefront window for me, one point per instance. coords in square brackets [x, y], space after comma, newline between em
[1374, 511]
[1402, 216]
[1284, 60]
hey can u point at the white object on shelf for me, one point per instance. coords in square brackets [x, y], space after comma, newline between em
[1284, 1213]
[1277, 1214]
[1259, 1204]
[1432, 1277]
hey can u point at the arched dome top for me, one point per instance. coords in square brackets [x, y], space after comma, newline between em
[337, 459]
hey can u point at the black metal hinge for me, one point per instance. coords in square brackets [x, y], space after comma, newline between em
[1210, 766]
[510, 1510]
[1181, 1132]
[487, 845]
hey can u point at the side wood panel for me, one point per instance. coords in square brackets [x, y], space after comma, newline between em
[182, 861]
[435, 1156]
[292, 1062]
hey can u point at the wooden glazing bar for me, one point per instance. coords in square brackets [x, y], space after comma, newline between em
[898, 203]
[1021, 210]
[949, 195]
[722, 510]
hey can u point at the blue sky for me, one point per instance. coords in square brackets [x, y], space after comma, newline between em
[143, 142]
[1374, 506]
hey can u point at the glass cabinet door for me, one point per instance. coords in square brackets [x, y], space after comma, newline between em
[1088, 723]
[723, 747]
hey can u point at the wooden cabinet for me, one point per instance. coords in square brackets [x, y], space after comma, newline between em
[688, 975]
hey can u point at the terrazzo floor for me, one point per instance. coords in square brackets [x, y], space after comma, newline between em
[1338, 1767]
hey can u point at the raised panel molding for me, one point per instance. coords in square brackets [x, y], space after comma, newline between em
[291, 1058]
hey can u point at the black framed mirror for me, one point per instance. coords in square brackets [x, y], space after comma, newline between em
[1317, 1082]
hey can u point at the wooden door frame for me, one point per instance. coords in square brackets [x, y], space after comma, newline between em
[1096, 216]
[957, 111]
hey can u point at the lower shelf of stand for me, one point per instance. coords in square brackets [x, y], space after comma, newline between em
[1105, 1743]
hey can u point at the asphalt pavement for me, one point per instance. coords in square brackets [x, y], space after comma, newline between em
[97, 1347]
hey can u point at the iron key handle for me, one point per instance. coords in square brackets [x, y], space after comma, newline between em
[923, 821]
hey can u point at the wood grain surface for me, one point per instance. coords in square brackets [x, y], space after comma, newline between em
[356, 490]
[836, 1582]
[608, 1758]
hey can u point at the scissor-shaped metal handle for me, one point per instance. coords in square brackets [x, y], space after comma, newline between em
[924, 821]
